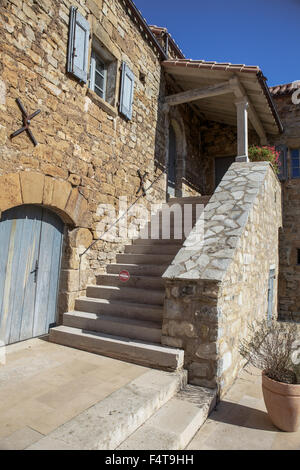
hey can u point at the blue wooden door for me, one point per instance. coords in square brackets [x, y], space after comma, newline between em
[30, 251]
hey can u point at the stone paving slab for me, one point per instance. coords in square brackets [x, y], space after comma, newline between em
[110, 421]
[241, 422]
[44, 385]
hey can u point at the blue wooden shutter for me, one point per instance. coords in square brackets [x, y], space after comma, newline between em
[126, 94]
[270, 295]
[283, 170]
[78, 48]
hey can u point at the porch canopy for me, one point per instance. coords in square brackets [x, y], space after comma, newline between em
[226, 93]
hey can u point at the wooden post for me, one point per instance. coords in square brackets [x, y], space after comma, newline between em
[242, 130]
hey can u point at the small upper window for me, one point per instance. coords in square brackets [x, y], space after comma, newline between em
[295, 161]
[98, 75]
[103, 73]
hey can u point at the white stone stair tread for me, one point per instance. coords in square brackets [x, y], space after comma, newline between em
[132, 265]
[187, 200]
[122, 287]
[129, 321]
[157, 241]
[117, 276]
[126, 349]
[116, 288]
[120, 302]
[174, 425]
[108, 423]
[128, 266]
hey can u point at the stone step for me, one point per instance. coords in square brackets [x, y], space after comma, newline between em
[173, 220]
[137, 269]
[116, 326]
[120, 308]
[144, 259]
[189, 200]
[165, 249]
[175, 424]
[158, 241]
[168, 229]
[124, 292]
[148, 282]
[138, 352]
[168, 234]
[105, 425]
[179, 219]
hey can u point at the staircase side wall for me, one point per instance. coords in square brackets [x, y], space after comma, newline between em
[243, 295]
[218, 283]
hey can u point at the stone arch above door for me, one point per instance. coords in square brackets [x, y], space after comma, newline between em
[30, 187]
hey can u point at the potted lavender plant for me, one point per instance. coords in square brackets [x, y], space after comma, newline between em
[274, 348]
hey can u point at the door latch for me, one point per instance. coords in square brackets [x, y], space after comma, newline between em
[35, 271]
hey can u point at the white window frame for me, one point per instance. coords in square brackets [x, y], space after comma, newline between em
[93, 70]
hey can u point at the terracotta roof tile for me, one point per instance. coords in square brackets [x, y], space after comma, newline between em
[212, 65]
[285, 88]
[159, 31]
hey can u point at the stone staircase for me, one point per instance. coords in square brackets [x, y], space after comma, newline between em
[121, 319]
[155, 411]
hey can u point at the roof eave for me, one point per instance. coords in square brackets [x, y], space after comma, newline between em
[262, 81]
[141, 21]
[234, 68]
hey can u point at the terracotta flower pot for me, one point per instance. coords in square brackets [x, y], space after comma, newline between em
[283, 403]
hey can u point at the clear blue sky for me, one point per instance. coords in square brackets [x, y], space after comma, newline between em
[252, 32]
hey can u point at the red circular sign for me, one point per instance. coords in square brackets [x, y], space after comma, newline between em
[124, 276]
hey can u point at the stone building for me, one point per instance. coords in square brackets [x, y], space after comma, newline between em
[286, 98]
[119, 103]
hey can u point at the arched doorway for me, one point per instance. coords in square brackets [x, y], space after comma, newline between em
[171, 187]
[30, 240]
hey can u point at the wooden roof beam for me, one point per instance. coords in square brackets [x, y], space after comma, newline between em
[198, 93]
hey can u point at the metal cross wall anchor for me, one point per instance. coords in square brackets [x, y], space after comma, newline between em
[142, 182]
[26, 122]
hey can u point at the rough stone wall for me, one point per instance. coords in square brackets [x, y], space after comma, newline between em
[289, 275]
[243, 297]
[190, 322]
[289, 272]
[82, 139]
[216, 284]
[84, 142]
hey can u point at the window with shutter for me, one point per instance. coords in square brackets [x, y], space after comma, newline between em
[103, 73]
[98, 74]
[282, 175]
[126, 94]
[295, 163]
[78, 47]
